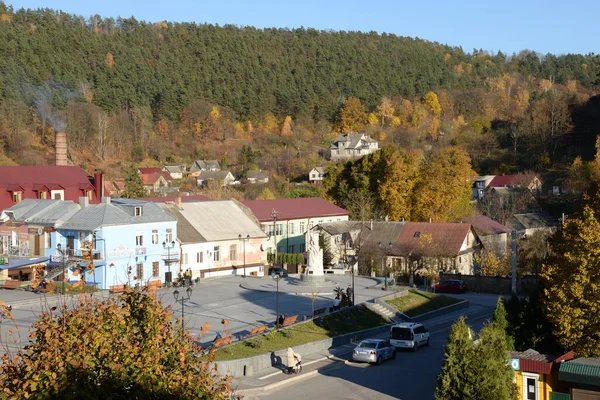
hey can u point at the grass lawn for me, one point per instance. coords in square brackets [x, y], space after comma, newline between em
[416, 302]
[346, 321]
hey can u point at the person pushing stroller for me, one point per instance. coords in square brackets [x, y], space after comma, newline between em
[293, 360]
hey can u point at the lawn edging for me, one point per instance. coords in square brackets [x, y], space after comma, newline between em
[421, 317]
[243, 366]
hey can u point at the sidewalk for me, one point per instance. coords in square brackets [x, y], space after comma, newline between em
[273, 377]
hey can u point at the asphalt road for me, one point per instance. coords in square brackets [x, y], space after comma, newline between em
[411, 376]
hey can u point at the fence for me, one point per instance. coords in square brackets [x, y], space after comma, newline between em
[496, 284]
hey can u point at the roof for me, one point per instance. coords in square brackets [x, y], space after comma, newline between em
[485, 226]
[354, 139]
[151, 178]
[580, 370]
[205, 164]
[23, 263]
[448, 238]
[512, 180]
[320, 170]
[215, 221]
[173, 169]
[533, 361]
[373, 232]
[117, 212]
[220, 175]
[174, 199]
[42, 212]
[527, 221]
[149, 170]
[306, 207]
[257, 175]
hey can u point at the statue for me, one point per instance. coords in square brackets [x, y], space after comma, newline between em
[315, 253]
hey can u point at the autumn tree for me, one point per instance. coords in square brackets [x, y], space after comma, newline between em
[132, 348]
[385, 109]
[352, 115]
[399, 179]
[572, 277]
[286, 129]
[444, 191]
[491, 264]
[430, 99]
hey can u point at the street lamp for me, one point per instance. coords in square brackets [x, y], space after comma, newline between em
[168, 260]
[183, 299]
[64, 264]
[384, 251]
[244, 240]
[276, 277]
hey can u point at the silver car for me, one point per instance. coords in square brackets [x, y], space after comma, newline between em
[373, 351]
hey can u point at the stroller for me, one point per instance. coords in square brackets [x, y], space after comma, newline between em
[296, 369]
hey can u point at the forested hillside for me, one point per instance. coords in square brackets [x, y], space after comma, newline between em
[128, 90]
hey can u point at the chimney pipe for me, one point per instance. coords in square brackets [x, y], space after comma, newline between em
[98, 184]
[84, 201]
[179, 202]
[60, 143]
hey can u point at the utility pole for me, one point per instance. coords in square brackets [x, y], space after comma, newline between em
[513, 260]
[274, 215]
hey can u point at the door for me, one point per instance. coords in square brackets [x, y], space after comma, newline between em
[71, 244]
[37, 244]
[530, 386]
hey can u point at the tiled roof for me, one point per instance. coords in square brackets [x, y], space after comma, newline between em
[220, 175]
[309, 207]
[43, 212]
[174, 199]
[533, 361]
[149, 170]
[151, 178]
[186, 233]
[512, 180]
[486, 226]
[448, 238]
[354, 139]
[580, 370]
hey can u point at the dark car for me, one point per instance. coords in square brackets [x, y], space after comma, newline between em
[451, 286]
[278, 271]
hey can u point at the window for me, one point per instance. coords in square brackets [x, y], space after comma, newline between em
[302, 248]
[200, 257]
[291, 228]
[279, 249]
[43, 195]
[233, 252]
[291, 248]
[216, 253]
[155, 269]
[57, 194]
[88, 194]
[269, 230]
[169, 235]
[82, 237]
[155, 236]
[261, 269]
[16, 197]
[140, 272]
[302, 228]
[137, 211]
[279, 229]
[139, 238]
[185, 258]
[417, 234]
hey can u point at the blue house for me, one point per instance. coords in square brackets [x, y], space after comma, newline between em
[133, 241]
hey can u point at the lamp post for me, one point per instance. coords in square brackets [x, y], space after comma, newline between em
[244, 240]
[274, 215]
[384, 250]
[168, 260]
[276, 277]
[353, 287]
[183, 299]
[64, 264]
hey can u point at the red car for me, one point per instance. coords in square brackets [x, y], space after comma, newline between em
[451, 286]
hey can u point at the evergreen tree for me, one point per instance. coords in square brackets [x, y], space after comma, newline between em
[459, 373]
[134, 186]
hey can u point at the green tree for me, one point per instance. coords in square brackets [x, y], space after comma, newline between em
[134, 186]
[572, 280]
[119, 348]
[459, 372]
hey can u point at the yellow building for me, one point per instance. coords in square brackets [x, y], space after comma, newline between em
[536, 375]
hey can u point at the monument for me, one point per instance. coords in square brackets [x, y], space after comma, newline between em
[313, 275]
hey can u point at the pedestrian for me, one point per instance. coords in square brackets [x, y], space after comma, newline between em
[188, 277]
[281, 319]
[350, 295]
[336, 304]
[293, 359]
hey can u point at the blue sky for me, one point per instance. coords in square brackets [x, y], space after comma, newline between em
[550, 26]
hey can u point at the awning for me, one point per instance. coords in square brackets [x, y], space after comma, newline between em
[23, 263]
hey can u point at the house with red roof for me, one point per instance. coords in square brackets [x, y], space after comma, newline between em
[286, 221]
[529, 181]
[494, 236]
[155, 180]
[47, 182]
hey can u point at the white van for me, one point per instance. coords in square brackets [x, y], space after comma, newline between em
[409, 335]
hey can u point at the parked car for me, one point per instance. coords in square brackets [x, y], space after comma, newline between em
[409, 335]
[451, 286]
[278, 271]
[373, 351]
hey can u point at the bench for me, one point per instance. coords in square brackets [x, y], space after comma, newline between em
[117, 288]
[290, 320]
[11, 284]
[222, 342]
[258, 330]
[319, 311]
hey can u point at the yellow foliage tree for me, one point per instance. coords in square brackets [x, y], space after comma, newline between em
[396, 121]
[109, 60]
[544, 85]
[286, 129]
[492, 265]
[431, 100]
[352, 116]
[400, 177]
[266, 194]
[385, 109]
[372, 119]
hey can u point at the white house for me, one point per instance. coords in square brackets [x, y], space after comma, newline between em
[225, 177]
[175, 171]
[352, 145]
[316, 175]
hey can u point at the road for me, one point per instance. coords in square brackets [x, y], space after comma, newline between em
[410, 376]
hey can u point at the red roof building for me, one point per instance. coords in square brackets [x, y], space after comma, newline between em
[47, 182]
[529, 181]
[300, 208]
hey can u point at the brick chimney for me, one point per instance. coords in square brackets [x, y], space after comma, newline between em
[60, 142]
[98, 184]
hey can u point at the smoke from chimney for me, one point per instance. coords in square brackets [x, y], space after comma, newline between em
[60, 142]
